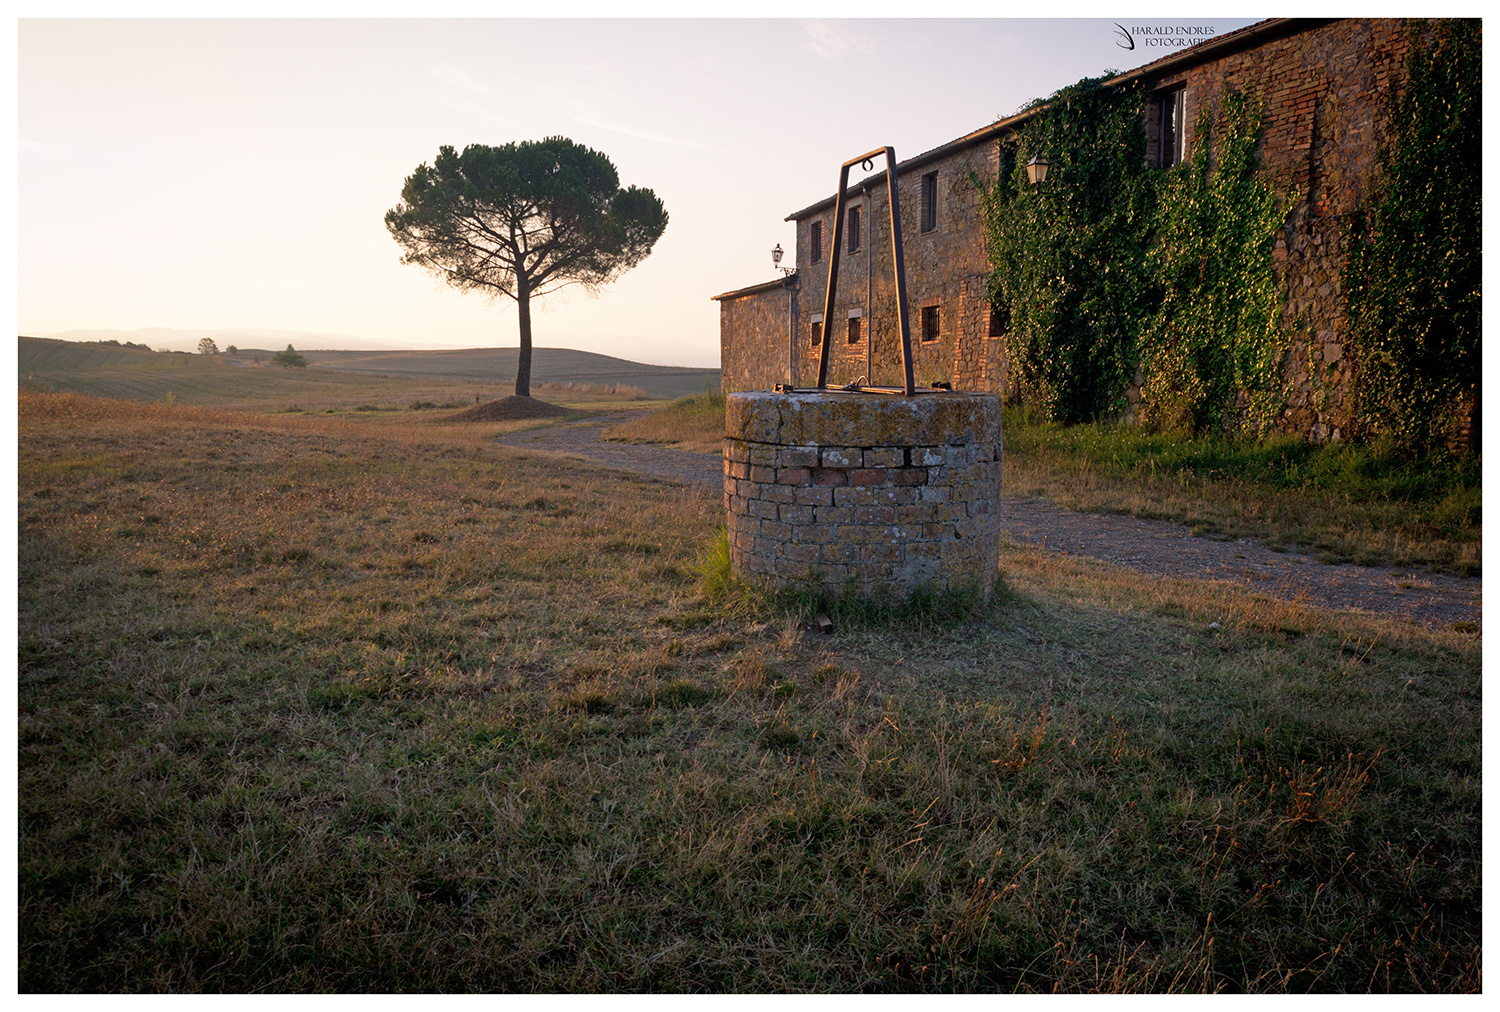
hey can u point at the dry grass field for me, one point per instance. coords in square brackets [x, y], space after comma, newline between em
[365, 702]
[555, 366]
[694, 423]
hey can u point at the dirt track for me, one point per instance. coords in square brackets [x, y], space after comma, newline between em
[1150, 546]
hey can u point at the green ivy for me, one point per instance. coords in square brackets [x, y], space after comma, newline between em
[1069, 259]
[1112, 267]
[1213, 354]
[1112, 273]
[1412, 279]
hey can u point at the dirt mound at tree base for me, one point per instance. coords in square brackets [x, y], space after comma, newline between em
[508, 409]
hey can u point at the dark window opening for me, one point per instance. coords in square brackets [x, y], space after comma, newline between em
[1170, 108]
[817, 333]
[817, 242]
[997, 321]
[929, 202]
[853, 229]
[853, 330]
[932, 323]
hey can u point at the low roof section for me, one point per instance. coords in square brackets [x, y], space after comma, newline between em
[739, 293]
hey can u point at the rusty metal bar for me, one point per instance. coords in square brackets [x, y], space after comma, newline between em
[897, 255]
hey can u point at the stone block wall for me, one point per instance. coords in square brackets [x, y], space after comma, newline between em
[754, 334]
[876, 494]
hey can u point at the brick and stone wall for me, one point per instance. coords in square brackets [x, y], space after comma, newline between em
[878, 494]
[754, 328]
[1323, 95]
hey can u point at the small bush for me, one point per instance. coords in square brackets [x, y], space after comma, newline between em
[289, 359]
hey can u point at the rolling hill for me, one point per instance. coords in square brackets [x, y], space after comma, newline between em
[548, 365]
[248, 378]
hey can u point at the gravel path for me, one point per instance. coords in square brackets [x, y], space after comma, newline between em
[1150, 546]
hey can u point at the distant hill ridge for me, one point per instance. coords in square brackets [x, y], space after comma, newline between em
[65, 364]
[168, 339]
[548, 365]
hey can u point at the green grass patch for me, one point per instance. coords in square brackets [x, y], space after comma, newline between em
[844, 607]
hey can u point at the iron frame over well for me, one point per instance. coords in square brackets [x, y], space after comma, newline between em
[897, 258]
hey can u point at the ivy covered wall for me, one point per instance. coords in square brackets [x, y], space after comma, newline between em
[1413, 279]
[1111, 274]
[1070, 279]
[1211, 296]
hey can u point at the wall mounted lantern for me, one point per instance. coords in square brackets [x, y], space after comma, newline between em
[1036, 170]
[776, 255]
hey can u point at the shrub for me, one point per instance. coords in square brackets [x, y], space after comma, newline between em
[289, 359]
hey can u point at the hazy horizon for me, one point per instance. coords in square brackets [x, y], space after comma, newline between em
[186, 339]
[239, 170]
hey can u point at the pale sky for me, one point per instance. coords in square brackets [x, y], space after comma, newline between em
[234, 174]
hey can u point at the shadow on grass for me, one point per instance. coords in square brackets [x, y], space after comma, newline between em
[845, 607]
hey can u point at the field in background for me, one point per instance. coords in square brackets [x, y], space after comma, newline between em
[548, 365]
[366, 702]
[342, 380]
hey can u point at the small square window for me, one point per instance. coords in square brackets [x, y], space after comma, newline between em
[932, 323]
[817, 242]
[817, 333]
[929, 202]
[853, 330]
[853, 229]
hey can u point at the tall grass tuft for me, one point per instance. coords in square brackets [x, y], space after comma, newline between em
[716, 570]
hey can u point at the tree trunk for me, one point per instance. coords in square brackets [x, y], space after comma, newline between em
[523, 360]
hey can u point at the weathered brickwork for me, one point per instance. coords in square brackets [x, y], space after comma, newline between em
[1323, 88]
[766, 312]
[880, 495]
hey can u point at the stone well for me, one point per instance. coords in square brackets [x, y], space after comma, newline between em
[879, 493]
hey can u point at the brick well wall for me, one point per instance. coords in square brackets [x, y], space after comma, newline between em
[879, 494]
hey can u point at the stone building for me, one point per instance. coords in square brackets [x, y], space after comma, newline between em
[1323, 85]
